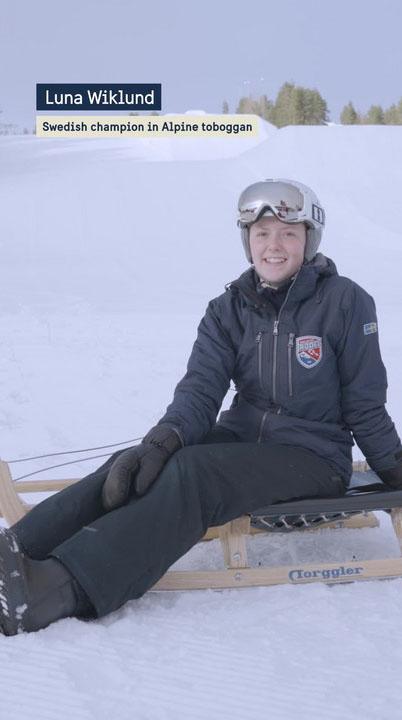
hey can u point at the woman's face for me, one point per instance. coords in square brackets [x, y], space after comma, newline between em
[277, 248]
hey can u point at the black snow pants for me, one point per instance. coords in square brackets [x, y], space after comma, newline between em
[117, 556]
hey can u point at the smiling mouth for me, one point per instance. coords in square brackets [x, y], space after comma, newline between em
[274, 261]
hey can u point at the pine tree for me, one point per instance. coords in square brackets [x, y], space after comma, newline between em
[318, 114]
[349, 115]
[298, 106]
[392, 116]
[396, 113]
[247, 106]
[225, 108]
[283, 105]
[265, 107]
[375, 116]
[399, 109]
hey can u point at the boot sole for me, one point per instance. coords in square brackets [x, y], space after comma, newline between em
[13, 592]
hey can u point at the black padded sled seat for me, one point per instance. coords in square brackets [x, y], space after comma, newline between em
[363, 494]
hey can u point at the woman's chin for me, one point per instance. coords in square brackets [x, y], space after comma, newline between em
[274, 276]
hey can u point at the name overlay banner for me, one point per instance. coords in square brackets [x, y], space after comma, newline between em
[99, 97]
[87, 126]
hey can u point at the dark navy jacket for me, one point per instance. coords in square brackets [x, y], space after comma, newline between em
[310, 374]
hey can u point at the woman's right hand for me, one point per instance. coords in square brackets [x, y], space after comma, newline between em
[137, 468]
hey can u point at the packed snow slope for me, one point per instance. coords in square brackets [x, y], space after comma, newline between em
[110, 253]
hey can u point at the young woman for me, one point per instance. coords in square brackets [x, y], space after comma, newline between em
[301, 344]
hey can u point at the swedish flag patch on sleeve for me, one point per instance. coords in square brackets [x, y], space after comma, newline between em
[369, 328]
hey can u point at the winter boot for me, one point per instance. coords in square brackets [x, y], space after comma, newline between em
[34, 593]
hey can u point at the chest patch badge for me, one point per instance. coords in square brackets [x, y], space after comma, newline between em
[309, 350]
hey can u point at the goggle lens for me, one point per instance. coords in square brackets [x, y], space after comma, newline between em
[285, 201]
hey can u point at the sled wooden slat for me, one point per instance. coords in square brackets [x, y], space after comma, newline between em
[293, 574]
[396, 517]
[233, 542]
[28, 486]
[13, 507]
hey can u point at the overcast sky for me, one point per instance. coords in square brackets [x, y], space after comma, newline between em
[203, 52]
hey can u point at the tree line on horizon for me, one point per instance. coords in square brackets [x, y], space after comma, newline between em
[296, 105]
[375, 115]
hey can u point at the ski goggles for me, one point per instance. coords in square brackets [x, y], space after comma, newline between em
[285, 201]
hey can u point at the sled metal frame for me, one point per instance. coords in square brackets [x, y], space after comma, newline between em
[233, 536]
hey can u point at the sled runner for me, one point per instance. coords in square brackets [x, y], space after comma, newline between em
[365, 494]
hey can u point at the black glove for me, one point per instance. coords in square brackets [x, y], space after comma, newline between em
[393, 476]
[138, 467]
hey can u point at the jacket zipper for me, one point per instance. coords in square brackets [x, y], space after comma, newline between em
[290, 346]
[276, 323]
[259, 349]
[275, 334]
[259, 341]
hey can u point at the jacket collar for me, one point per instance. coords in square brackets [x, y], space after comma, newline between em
[303, 286]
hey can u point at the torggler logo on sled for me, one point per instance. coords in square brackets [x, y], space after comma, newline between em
[300, 575]
[309, 350]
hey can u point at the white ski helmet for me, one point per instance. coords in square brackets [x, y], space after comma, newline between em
[290, 201]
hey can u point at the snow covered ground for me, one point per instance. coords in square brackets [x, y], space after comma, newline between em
[110, 252]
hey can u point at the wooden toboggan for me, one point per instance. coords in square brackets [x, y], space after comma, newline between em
[353, 510]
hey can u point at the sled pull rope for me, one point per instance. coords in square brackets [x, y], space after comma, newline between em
[67, 452]
[70, 462]
[70, 452]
